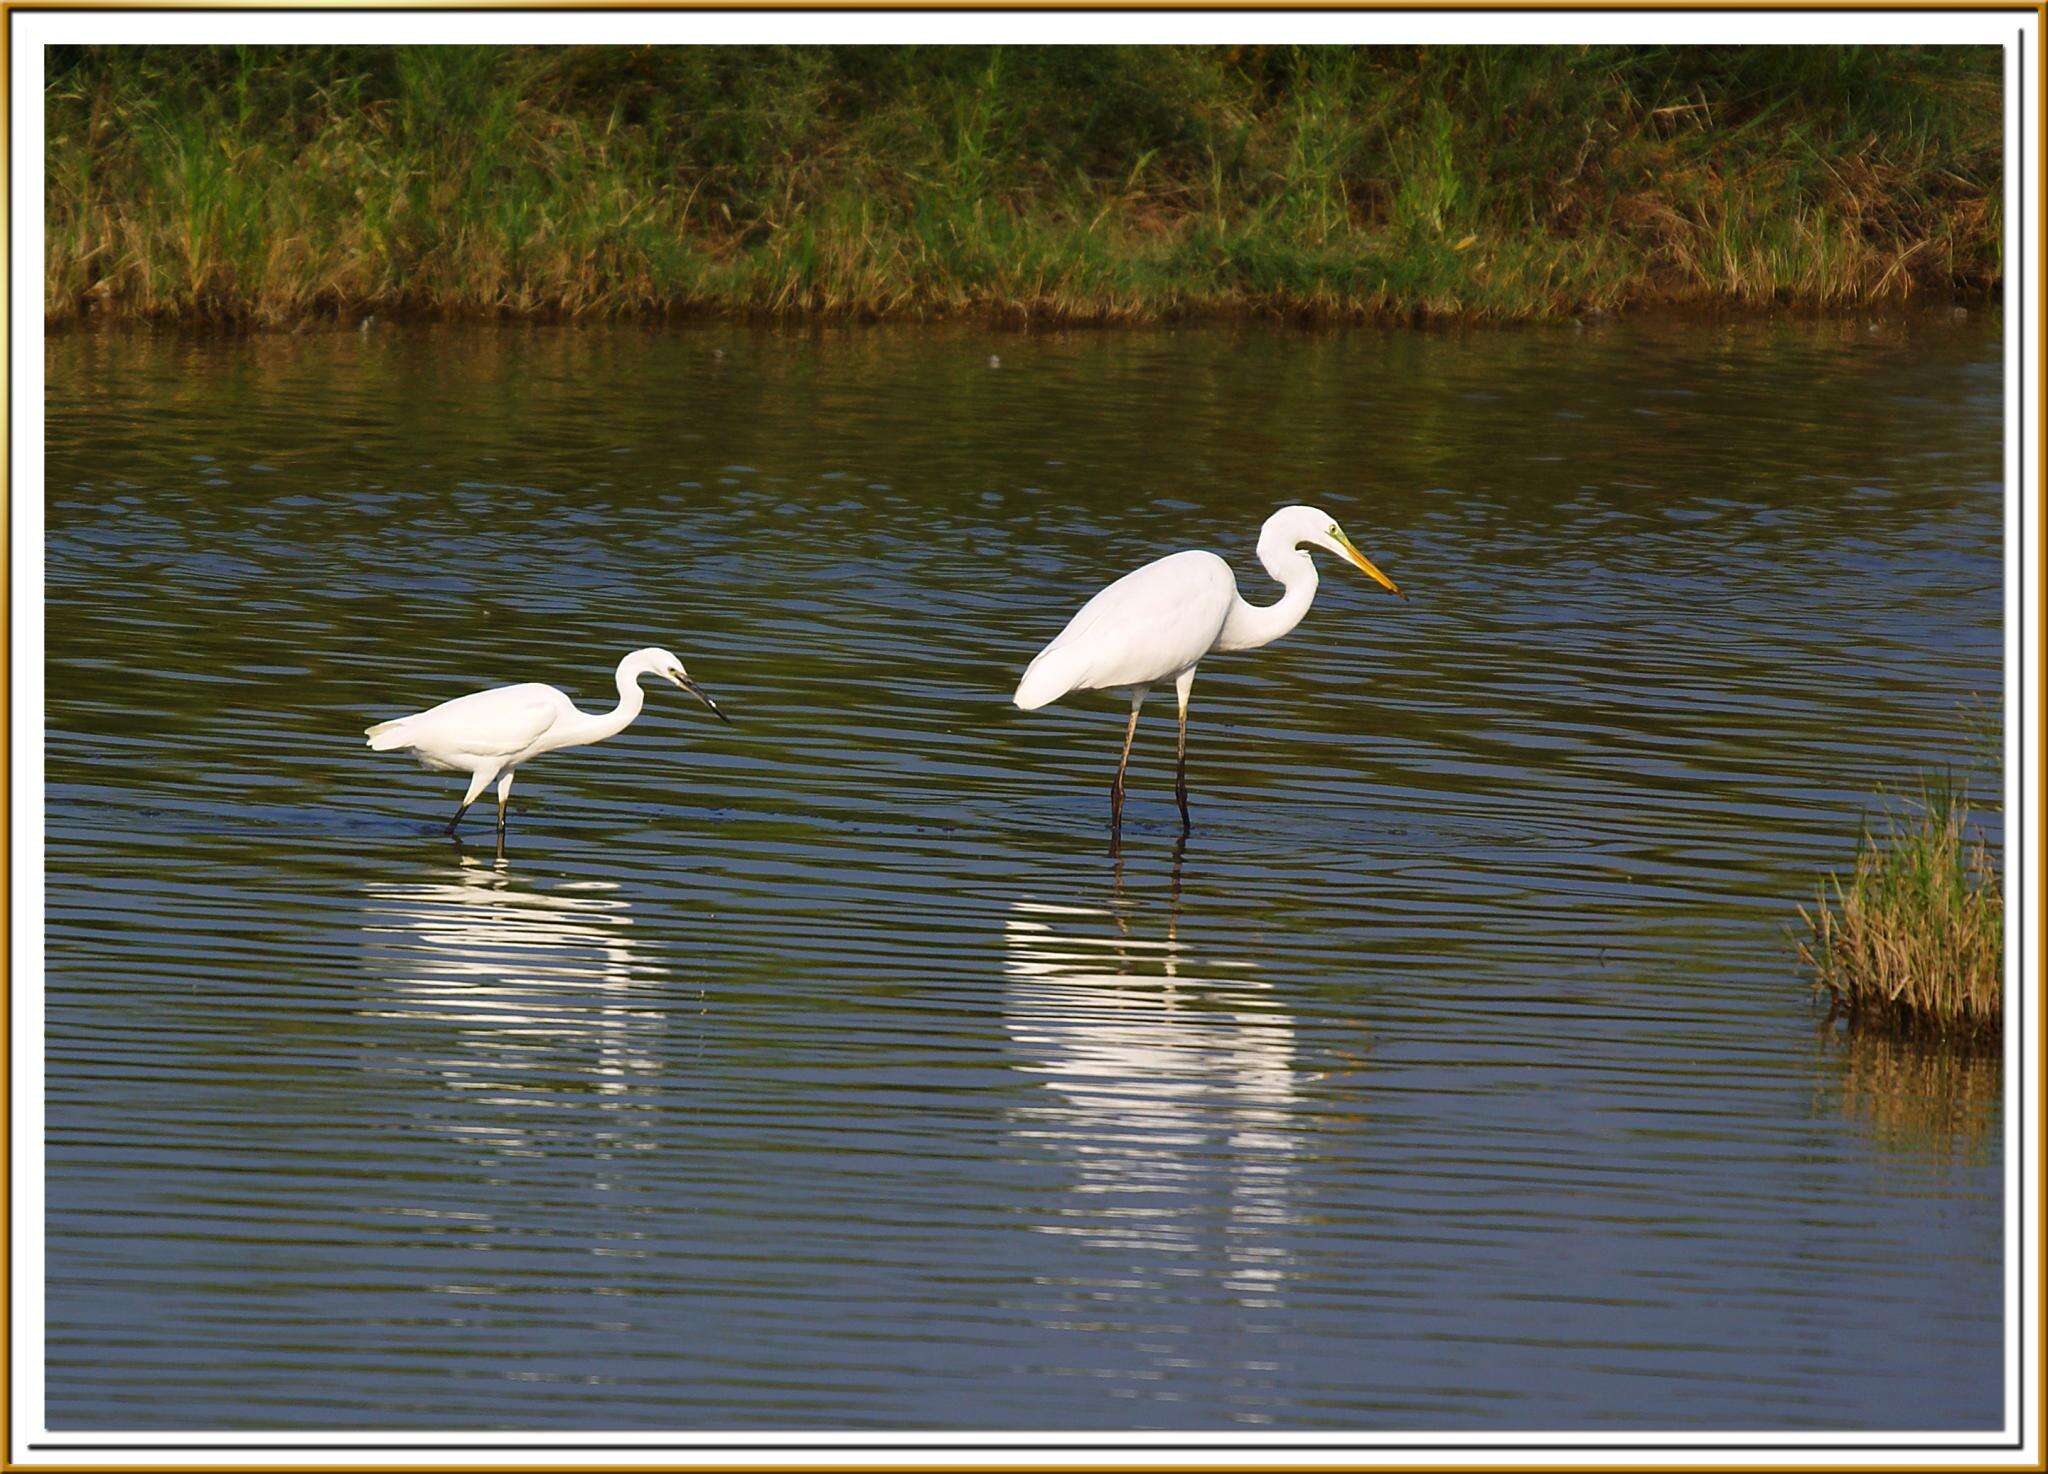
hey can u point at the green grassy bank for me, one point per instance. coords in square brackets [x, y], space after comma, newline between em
[271, 186]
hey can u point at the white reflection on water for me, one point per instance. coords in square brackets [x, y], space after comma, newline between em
[536, 1004]
[1169, 1088]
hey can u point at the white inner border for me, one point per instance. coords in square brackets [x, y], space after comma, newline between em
[32, 31]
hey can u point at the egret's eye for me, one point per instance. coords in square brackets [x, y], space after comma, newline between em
[1335, 530]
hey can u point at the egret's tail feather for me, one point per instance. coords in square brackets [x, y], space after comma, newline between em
[1052, 675]
[386, 735]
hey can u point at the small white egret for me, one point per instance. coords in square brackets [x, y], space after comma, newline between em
[1158, 623]
[490, 733]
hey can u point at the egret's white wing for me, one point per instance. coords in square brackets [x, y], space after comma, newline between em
[488, 724]
[1150, 624]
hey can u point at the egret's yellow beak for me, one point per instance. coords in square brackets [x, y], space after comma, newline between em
[1351, 552]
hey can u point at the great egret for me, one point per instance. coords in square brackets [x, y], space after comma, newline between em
[490, 733]
[1157, 624]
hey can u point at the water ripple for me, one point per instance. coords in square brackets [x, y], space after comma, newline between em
[821, 1072]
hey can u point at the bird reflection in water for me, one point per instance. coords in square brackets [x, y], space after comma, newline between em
[533, 1004]
[1169, 1089]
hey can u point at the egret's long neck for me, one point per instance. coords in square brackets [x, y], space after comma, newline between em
[1250, 626]
[590, 727]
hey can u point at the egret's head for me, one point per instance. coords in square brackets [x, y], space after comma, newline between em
[659, 662]
[1298, 525]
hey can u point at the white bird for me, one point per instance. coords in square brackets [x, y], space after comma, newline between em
[1157, 624]
[490, 733]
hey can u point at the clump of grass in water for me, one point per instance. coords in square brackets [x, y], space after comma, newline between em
[1914, 940]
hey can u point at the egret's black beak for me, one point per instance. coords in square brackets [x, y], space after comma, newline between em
[691, 686]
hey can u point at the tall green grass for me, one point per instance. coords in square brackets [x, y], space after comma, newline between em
[269, 185]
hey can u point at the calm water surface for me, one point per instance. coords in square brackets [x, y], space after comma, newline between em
[822, 1071]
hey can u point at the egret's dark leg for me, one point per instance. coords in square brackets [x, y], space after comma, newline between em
[1116, 792]
[504, 797]
[477, 784]
[1180, 763]
[1180, 773]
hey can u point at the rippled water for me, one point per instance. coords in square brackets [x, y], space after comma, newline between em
[822, 1071]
